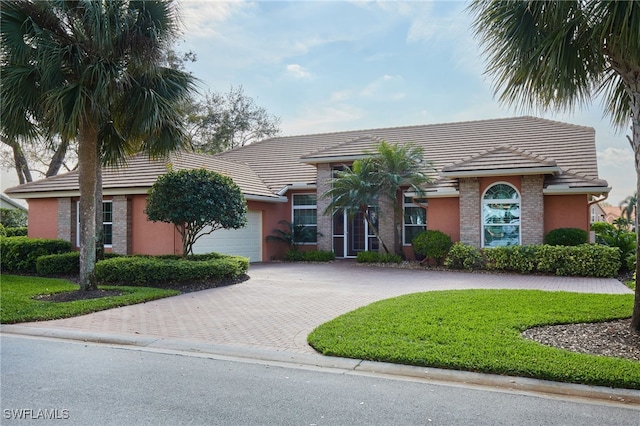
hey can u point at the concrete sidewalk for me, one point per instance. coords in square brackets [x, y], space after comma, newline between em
[268, 317]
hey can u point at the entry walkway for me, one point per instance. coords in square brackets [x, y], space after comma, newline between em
[283, 302]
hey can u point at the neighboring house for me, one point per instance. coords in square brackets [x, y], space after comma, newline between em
[598, 213]
[496, 182]
[8, 203]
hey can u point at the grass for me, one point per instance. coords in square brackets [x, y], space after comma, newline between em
[479, 330]
[17, 295]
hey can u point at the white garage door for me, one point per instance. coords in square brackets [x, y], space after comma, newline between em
[242, 242]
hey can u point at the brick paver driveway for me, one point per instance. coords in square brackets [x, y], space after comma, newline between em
[282, 302]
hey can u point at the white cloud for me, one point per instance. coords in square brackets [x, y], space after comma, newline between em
[324, 119]
[297, 71]
[340, 95]
[616, 157]
[202, 18]
[385, 87]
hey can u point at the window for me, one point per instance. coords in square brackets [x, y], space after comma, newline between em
[500, 216]
[107, 223]
[414, 220]
[305, 213]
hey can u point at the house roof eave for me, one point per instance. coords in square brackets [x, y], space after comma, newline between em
[568, 190]
[520, 171]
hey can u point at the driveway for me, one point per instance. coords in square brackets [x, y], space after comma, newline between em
[283, 302]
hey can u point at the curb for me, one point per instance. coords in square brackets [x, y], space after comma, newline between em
[628, 397]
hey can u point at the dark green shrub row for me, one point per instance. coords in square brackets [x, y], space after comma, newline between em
[19, 254]
[153, 271]
[375, 257]
[13, 232]
[566, 237]
[463, 256]
[62, 264]
[309, 256]
[586, 260]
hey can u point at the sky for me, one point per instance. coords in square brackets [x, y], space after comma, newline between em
[324, 66]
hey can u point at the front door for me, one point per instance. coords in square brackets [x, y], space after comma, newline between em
[352, 235]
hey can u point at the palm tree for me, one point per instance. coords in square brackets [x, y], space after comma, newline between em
[90, 70]
[356, 189]
[558, 54]
[400, 166]
[629, 211]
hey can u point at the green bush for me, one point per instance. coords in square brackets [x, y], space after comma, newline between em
[62, 264]
[16, 232]
[19, 254]
[433, 244]
[376, 257]
[566, 237]
[3, 231]
[464, 256]
[156, 271]
[631, 262]
[13, 218]
[319, 256]
[587, 260]
[616, 236]
[294, 256]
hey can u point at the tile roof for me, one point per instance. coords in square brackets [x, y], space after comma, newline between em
[141, 172]
[267, 167]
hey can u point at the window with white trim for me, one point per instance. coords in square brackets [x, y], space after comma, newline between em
[107, 223]
[500, 216]
[305, 213]
[414, 220]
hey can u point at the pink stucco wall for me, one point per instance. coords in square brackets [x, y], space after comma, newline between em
[566, 211]
[148, 237]
[43, 218]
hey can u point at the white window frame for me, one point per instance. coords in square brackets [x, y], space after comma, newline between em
[484, 202]
[406, 204]
[306, 207]
[103, 222]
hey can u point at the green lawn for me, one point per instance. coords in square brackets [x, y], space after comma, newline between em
[17, 303]
[479, 330]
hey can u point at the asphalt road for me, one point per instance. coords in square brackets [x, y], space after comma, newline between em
[84, 384]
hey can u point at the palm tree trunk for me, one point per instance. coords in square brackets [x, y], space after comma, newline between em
[365, 212]
[635, 145]
[87, 177]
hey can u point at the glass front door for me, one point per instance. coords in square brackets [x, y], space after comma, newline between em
[352, 235]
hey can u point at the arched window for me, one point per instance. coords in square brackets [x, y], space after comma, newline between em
[500, 216]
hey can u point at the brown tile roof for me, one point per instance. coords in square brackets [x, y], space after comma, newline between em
[499, 160]
[267, 167]
[283, 160]
[140, 172]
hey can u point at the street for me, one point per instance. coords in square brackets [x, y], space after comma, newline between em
[85, 383]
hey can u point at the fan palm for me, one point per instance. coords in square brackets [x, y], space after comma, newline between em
[629, 211]
[356, 189]
[400, 166]
[90, 70]
[559, 54]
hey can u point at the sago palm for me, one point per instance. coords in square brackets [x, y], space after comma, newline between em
[559, 54]
[90, 70]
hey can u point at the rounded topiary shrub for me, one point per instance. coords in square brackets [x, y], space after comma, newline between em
[567, 237]
[464, 256]
[433, 244]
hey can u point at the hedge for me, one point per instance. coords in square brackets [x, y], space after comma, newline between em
[566, 237]
[19, 254]
[62, 264]
[16, 232]
[153, 271]
[586, 260]
[433, 244]
[309, 256]
[376, 257]
[464, 256]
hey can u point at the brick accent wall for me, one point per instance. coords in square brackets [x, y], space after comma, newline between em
[470, 211]
[66, 220]
[325, 241]
[386, 227]
[532, 210]
[121, 225]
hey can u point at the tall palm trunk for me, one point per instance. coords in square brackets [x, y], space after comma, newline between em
[635, 145]
[365, 212]
[87, 176]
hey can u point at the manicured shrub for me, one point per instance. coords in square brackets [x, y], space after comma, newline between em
[319, 256]
[376, 257]
[3, 232]
[154, 271]
[63, 264]
[16, 232]
[566, 237]
[631, 262]
[464, 256]
[294, 256]
[587, 260]
[13, 218]
[433, 244]
[19, 254]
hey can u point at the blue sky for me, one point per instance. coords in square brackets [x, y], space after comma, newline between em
[326, 66]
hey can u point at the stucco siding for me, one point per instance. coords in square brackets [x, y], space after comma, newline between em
[565, 211]
[43, 218]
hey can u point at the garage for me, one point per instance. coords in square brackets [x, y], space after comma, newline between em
[241, 242]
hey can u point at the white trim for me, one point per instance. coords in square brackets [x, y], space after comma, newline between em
[565, 190]
[336, 159]
[551, 170]
[305, 207]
